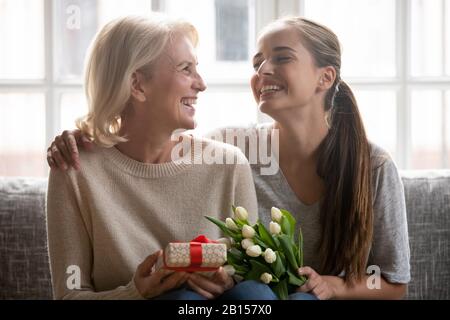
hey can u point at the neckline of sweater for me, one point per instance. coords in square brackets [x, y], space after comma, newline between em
[153, 170]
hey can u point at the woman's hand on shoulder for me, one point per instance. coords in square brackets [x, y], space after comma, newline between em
[63, 151]
[151, 283]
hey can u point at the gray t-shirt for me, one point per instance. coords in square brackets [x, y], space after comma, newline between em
[390, 247]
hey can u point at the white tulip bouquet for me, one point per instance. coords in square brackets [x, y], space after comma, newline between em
[254, 253]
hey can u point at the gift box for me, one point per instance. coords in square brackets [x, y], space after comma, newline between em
[200, 254]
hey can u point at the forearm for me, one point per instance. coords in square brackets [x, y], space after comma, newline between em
[361, 290]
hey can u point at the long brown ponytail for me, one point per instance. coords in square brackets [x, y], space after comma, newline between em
[343, 163]
[346, 212]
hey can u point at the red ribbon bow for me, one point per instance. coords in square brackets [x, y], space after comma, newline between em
[196, 256]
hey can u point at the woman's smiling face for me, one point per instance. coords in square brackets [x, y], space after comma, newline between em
[175, 84]
[286, 75]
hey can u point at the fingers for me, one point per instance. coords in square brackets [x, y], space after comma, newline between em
[222, 277]
[212, 287]
[161, 274]
[313, 278]
[182, 280]
[50, 161]
[321, 291]
[145, 268]
[174, 280]
[311, 284]
[307, 271]
[163, 280]
[71, 145]
[200, 290]
[78, 135]
[82, 140]
[63, 149]
[307, 287]
[316, 284]
[57, 157]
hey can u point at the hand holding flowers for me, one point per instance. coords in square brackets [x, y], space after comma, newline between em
[271, 256]
[323, 287]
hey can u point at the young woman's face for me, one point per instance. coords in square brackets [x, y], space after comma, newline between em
[285, 72]
[175, 84]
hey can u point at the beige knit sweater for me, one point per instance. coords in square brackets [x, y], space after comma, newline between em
[114, 212]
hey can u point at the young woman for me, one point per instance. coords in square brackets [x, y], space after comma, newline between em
[344, 191]
[130, 198]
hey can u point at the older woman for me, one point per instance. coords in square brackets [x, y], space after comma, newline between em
[131, 198]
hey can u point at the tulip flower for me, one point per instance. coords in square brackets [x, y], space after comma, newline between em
[225, 241]
[266, 277]
[231, 225]
[229, 269]
[247, 243]
[270, 256]
[276, 214]
[274, 227]
[248, 232]
[241, 214]
[254, 251]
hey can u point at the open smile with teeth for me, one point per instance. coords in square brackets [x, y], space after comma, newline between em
[269, 89]
[188, 105]
[189, 102]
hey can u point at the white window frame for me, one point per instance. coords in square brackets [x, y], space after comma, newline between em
[404, 84]
[265, 11]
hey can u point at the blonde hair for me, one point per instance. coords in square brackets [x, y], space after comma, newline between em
[119, 49]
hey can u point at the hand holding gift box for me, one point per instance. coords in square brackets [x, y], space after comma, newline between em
[199, 255]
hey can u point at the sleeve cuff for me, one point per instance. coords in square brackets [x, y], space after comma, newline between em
[133, 291]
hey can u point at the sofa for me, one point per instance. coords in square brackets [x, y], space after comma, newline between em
[24, 268]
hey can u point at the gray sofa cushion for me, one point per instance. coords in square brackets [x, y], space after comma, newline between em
[427, 195]
[24, 269]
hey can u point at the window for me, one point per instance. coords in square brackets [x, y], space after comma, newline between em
[368, 42]
[22, 108]
[22, 133]
[379, 112]
[227, 35]
[41, 93]
[399, 67]
[26, 18]
[232, 30]
[427, 128]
